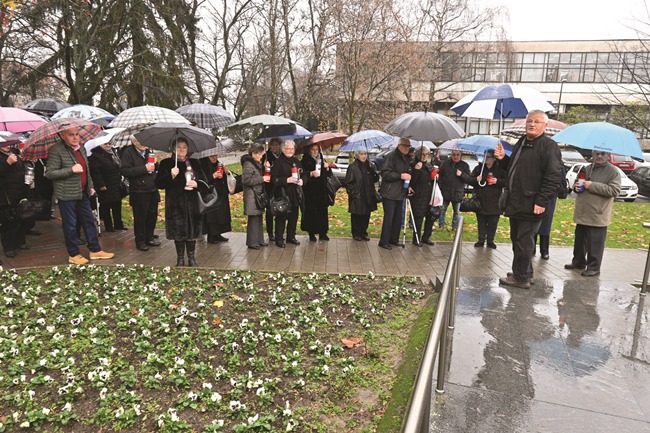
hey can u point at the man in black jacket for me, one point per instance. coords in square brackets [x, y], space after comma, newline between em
[452, 186]
[143, 195]
[394, 172]
[534, 171]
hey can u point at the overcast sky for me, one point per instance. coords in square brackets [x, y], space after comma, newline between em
[574, 19]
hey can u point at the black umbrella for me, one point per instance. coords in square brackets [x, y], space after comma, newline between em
[47, 106]
[162, 135]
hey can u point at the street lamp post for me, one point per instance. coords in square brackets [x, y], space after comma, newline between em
[559, 99]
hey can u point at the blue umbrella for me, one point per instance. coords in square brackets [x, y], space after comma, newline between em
[482, 143]
[285, 132]
[366, 140]
[601, 136]
[505, 101]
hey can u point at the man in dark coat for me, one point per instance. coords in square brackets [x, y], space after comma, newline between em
[534, 171]
[394, 172]
[452, 186]
[286, 179]
[143, 195]
[105, 171]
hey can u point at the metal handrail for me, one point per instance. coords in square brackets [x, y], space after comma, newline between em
[646, 271]
[416, 419]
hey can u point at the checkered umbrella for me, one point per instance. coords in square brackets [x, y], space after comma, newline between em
[147, 115]
[518, 128]
[47, 136]
[206, 115]
[123, 138]
[46, 107]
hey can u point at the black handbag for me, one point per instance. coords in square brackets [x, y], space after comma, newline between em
[34, 210]
[333, 185]
[280, 205]
[503, 200]
[124, 186]
[261, 199]
[209, 203]
[471, 204]
[434, 212]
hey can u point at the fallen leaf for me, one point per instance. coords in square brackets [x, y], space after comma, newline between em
[218, 284]
[352, 342]
[173, 306]
[216, 321]
[218, 304]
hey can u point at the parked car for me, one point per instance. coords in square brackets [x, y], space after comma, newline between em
[625, 163]
[340, 165]
[645, 163]
[571, 157]
[629, 189]
[641, 176]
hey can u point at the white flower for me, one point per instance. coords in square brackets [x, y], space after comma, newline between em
[24, 424]
[192, 396]
[235, 405]
[252, 419]
[173, 415]
[215, 397]
[31, 394]
[136, 409]
[260, 391]
[119, 412]
[278, 338]
[290, 425]
[207, 385]
[287, 410]
[102, 393]
[180, 361]
[67, 407]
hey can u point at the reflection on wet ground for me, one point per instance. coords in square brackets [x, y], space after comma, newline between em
[565, 356]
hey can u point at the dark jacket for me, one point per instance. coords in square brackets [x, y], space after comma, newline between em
[452, 187]
[534, 178]
[392, 185]
[252, 180]
[67, 185]
[489, 194]
[221, 215]
[105, 171]
[360, 183]
[280, 171]
[134, 169]
[314, 217]
[12, 181]
[422, 186]
[182, 217]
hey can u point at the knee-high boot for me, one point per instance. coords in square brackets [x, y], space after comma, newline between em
[191, 260]
[544, 242]
[180, 253]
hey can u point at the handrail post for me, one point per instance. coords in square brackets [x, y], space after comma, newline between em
[646, 271]
[442, 354]
[458, 240]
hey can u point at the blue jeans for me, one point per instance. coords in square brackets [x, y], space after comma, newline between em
[456, 207]
[70, 210]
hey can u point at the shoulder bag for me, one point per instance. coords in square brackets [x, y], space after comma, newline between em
[261, 199]
[471, 204]
[333, 185]
[280, 205]
[234, 182]
[34, 210]
[209, 202]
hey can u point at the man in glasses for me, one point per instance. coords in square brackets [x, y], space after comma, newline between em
[593, 213]
[395, 179]
[534, 173]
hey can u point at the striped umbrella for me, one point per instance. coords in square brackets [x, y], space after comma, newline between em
[206, 115]
[518, 128]
[47, 136]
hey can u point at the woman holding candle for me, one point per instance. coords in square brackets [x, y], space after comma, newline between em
[217, 221]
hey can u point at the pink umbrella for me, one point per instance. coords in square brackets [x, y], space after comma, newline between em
[324, 140]
[19, 120]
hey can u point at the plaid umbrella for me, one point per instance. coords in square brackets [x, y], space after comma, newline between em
[518, 128]
[47, 136]
[146, 115]
[206, 115]
[123, 138]
[47, 106]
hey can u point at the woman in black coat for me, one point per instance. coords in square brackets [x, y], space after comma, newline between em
[12, 190]
[315, 215]
[182, 217]
[286, 180]
[362, 196]
[422, 186]
[217, 221]
[487, 186]
[105, 172]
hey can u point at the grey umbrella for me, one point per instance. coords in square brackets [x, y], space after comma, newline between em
[424, 126]
[206, 115]
[162, 135]
[47, 106]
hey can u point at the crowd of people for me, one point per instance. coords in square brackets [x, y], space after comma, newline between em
[279, 187]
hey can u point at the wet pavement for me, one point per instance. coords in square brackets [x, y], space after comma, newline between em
[570, 355]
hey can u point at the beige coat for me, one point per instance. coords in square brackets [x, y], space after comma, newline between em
[594, 206]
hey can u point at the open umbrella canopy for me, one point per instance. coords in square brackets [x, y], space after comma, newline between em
[367, 139]
[262, 120]
[518, 128]
[324, 140]
[505, 101]
[222, 147]
[284, 132]
[101, 139]
[88, 112]
[206, 115]
[46, 106]
[478, 144]
[146, 115]
[9, 138]
[424, 126]
[414, 143]
[601, 136]
[162, 135]
[19, 120]
[47, 135]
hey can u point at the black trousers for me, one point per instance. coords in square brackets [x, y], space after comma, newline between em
[111, 214]
[487, 226]
[428, 227]
[145, 214]
[359, 224]
[522, 235]
[392, 221]
[290, 222]
[269, 223]
[588, 246]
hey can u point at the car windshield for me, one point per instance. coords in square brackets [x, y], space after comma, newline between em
[622, 158]
[571, 154]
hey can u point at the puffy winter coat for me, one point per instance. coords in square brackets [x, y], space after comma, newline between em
[67, 185]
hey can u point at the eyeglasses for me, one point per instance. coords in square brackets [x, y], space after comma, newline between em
[404, 145]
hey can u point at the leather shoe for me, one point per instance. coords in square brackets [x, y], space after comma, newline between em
[142, 247]
[324, 237]
[590, 273]
[514, 282]
[428, 242]
[492, 245]
[574, 266]
[545, 256]
[153, 243]
[532, 280]
[312, 238]
[293, 241]
[271, 238]
[478, 245]
[357, 238]
[122, 228]
[416, 243]
[11, 254]
[397, 244]
[220, 238]
[385, 246]
[264, 244]
[33, 232]
[253, 247]
[111, 230]
[23, 247]
[365, 238]
[280, 244]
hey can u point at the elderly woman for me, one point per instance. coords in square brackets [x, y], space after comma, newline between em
[253, 182]
[217, 221]
[422, 185]
[105, 172]
[362, 197]
[315, 217]
[177, 175]
[12, 190]
[286, 178]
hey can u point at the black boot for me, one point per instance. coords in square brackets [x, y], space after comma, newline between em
[180, 253]
[191, 260]
[544, 242]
